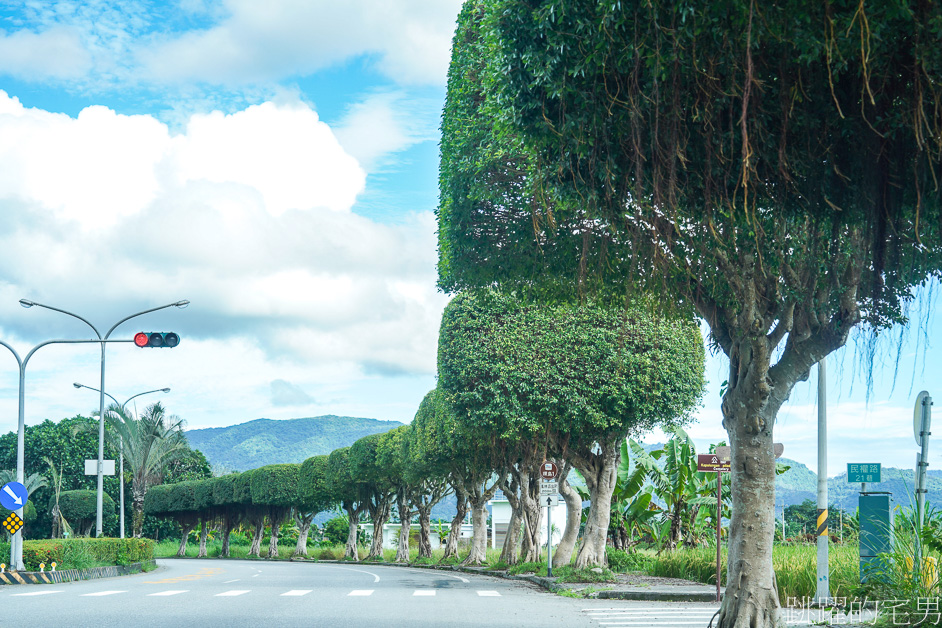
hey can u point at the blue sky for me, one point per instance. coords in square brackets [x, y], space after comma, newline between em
[276, 164]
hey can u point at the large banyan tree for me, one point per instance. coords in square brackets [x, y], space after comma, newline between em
[569, 381]
[774, 167]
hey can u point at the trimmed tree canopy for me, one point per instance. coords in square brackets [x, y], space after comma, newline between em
[583, 373]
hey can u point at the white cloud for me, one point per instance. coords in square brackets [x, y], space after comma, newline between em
[57, 53]
[102, 166]
[248, 216]
[261, 42]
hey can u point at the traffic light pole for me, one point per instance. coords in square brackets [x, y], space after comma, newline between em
[101, 404]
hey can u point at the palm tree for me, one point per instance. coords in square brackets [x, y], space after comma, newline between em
[150, 442]
[60, 527]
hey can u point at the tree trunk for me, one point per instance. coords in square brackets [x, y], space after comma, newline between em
[256, 548]
[567, 544]
[425, 530]
[600, 470]
[751, 597]
[226, 533]
[530, 550]
[350, 550]
[55, 522]
[304, 528]
[451, 546]
[478, 553]
[380, 515]
[405, 527]
[204, 532]
[276, 518]
[508, 551]
[138, 493]
[185, 527]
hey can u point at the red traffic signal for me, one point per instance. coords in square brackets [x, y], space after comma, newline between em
[156, 339]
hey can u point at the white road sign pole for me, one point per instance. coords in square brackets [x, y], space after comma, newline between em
[922, 419]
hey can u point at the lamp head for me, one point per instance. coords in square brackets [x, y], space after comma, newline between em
[27, 303]
[182, 304]
[77, 385]
[165, 390]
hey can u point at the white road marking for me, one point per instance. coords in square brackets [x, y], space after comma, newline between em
[651, 616]
[255, 575]
[488, 593]
[232, 593]
[296, 592]
[375, 577]
[102, 593]
[34, 593]
[228, 581]
[423, 592]
[360, 592]
[164, 593]
[446, 575]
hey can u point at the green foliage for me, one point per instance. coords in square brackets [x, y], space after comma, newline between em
[314, 488]
[82, 553]
[78, 505]
[621, 561]
[276, 485]
[336, 530]
[68, 442]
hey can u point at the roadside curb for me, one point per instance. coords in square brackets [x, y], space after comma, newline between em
[550, 584]
[71, 575]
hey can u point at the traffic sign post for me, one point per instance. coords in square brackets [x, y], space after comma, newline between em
[548, 496]
[13, 496]
[713, 463]
[922, 419]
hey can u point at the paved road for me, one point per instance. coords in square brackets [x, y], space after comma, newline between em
[215, 593]
[211, 593]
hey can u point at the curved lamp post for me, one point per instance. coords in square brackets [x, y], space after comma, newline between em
[16, 542]
[121, 443]
[101, 416]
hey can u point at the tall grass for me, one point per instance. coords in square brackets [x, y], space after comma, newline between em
[795, 568]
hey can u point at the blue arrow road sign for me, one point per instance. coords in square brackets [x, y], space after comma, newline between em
[13, 496]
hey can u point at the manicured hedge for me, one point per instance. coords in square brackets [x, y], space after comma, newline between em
[103, 550]
[80, 505]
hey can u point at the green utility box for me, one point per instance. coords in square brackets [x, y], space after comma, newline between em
[876, 530]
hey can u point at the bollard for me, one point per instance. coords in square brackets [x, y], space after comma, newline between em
[53, 565]
[42, 567]
[3, 567]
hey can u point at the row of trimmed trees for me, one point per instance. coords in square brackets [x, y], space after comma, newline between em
[519, 383]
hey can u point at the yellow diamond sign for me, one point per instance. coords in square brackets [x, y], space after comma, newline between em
[12, 523]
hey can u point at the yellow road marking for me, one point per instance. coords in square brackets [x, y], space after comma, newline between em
[206, 572]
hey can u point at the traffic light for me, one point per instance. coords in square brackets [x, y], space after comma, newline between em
[156, 339]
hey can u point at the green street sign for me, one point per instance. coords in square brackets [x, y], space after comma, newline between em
[858, 473]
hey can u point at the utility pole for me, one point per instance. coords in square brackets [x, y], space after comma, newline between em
[823, 593]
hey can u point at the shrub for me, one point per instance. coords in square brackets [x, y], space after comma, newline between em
[79, 553]
[621, 561]
[336, 530]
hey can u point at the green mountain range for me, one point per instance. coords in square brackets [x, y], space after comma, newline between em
[800, 483]
[266, 441]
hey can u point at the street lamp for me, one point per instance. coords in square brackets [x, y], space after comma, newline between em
[101, 415]
[16, 542]
[121, 443]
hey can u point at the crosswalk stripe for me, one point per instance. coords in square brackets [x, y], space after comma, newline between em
[423, 592]
[34, 593]
[296, 592]
[102, 593]
[232, 593]
[165, 593]
[360, 592]
[488, 594]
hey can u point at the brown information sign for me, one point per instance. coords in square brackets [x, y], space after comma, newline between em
[711, 462]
